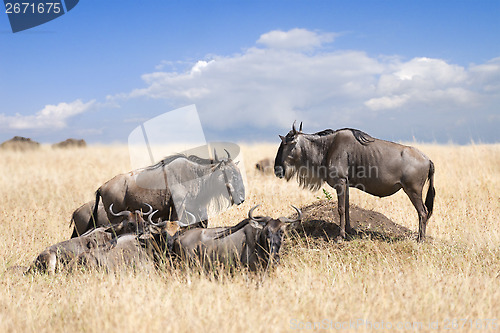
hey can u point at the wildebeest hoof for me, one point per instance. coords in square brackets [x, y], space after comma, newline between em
[339, 239]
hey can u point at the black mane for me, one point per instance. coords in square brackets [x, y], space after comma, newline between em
[324, 132]
[192, 158]
[360, 136]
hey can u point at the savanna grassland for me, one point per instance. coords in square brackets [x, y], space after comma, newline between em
[450, 283]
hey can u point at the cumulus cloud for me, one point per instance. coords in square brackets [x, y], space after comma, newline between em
[51, 116]
[291, 75]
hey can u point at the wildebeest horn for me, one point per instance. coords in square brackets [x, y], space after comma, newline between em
[150, 219]
[123, 213]
[228, 155]
[300, 127]
[293, 126]
[299, 218]
[150, 209]
[215, 156]
[192, 219]
[257, 219]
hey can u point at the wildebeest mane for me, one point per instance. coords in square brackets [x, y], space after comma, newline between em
[324, 132]
[360, 136]
[193, 158]
[235, 228]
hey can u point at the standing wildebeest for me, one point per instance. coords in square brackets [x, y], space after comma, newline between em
[351, 158]
[173, 185]
[254, 242]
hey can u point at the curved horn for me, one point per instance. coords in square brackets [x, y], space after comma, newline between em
[123, 213]
[293, 126]
[150, 219]
[257, 219]
[150, 209]
[300, 127]
[298, 219]
[228, 155]
[192, 218]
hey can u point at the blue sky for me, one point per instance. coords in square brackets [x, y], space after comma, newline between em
[399, 70]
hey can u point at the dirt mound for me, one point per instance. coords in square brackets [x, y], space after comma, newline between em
[20, 143]
[70, 143]
[321, 220]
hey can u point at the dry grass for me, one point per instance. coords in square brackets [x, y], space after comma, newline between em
[455, 276]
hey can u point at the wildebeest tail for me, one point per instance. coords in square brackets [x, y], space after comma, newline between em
[93, 217]
[431, 192]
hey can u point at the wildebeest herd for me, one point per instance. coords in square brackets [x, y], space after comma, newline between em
[160, 212]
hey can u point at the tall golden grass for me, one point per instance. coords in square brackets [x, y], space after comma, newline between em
[362, 285]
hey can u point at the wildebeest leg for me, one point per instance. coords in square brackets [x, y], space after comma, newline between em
[416, 199]
[348, 227]
[341, 188]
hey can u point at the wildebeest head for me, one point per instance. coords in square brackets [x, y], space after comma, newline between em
[271, 236]
[231, 176]
[287, 152]
[132, 222]
[162, 234]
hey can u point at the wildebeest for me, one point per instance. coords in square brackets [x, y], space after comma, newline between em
[173, 185]
[57, 256]
[122, 251]
[351, 158]
[254, 242]
[62, 253]
[265, 165]
[70, 143]
[82, 215]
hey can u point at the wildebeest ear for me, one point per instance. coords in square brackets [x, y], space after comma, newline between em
[283, 139]
[256, 224]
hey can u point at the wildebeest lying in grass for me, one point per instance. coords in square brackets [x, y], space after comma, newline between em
[81, 217]
[59, 255]
[121, 251]
[254, 243]
[351, 158]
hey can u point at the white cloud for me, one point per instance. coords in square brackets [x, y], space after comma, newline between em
[293, 78]
[51, 116]
[387, 102]
[298, 39]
